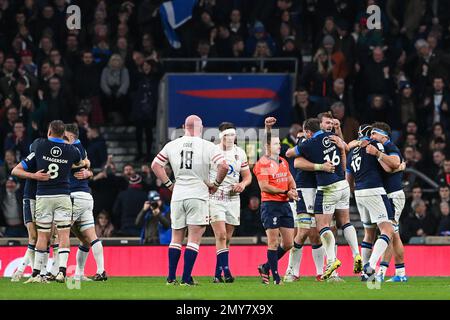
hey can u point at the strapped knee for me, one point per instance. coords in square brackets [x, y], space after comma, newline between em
[44, 227]
[63, 225]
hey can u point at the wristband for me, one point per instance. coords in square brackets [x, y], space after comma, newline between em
[380, 157]
[168, 183]
[217, 184]
[318, 167]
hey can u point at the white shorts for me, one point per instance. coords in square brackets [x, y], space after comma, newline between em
[82, 210]
[189, 212]
[332, 197]
[373, 206]
[57, 208]
[228, 211]
[397, 200]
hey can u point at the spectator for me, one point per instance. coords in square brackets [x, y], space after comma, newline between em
[340, 94]
[11, 209]
[7, 125]
[17, 141]
[436, 166]
[436, 105]
[444, 196]
[115, 81]
[9, 163]
[318, 75]
[57, 103]
[339, 69]
[444, 177]
[376, 74]
[349, 125]
[144, 106]
[407, 103]
[105, 187]
[259, 34]
[237, 28]
[443, 228]
[289, 49]
[204, 52]
[81, 119]
[103, 226]
[127, 207]
[87, 85]
[420, 224]
[96, 148]
[304, 108]
[154, 219]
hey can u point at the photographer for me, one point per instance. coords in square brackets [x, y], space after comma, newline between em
[154, 218]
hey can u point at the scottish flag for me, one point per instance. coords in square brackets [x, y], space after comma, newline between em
[173, 14]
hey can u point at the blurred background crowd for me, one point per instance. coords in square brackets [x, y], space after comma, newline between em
[107, 74]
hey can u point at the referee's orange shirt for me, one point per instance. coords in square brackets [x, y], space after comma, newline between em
[276, 173]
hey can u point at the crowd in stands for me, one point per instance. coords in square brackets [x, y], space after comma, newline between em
[108, 73]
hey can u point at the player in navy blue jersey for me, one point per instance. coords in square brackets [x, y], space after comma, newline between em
[83, 217]
[392, 158]
[366, 175]
[305, 223]
[53, 204]
[29, 205]
[333, 192]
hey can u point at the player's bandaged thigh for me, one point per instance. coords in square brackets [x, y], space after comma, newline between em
[303, 220]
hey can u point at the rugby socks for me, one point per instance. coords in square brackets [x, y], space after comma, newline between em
[222, 261]
[378, 249]
[366, 251]
[295, 258]
[44, 265]
[351, 237]
[400, 269]
[383, 268]
[272, 257]
[63, 257]
[97, 250]
[28, 258]
[39, 258]
[190, 255]
[174, 257]
[55, 264]
[280, 253]
[82, 255]
[328, 242]
[318, 253]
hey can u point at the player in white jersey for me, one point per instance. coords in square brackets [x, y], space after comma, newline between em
[82, 216]
[191, 159]
[225, 204]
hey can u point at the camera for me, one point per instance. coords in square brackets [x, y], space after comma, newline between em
[154, 205]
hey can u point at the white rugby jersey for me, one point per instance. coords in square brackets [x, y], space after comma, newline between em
[237, 161]
[191, 159]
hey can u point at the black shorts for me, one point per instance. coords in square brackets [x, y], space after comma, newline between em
[275, 214]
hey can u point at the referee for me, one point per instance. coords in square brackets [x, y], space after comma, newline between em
[277, 188]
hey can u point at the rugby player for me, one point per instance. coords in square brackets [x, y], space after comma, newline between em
[392, 158]
[82, 216]
[364, 173]
[53, 202]
[29, 206]
[333, 192]
[225, 205]
[191, 158]
[277, 188]
[305, 224]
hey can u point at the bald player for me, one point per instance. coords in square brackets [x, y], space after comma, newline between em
[191, 159]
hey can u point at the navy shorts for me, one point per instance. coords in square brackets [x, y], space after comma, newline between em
[275, 214]
[28, 210]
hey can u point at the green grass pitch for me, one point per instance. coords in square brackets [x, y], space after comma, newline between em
[245, 288]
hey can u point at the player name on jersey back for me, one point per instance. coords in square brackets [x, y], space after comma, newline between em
[191, 159]
[56, 158]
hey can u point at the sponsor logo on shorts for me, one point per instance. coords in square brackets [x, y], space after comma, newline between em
[275, 219]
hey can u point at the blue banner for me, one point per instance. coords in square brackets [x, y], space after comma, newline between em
[245, 100]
